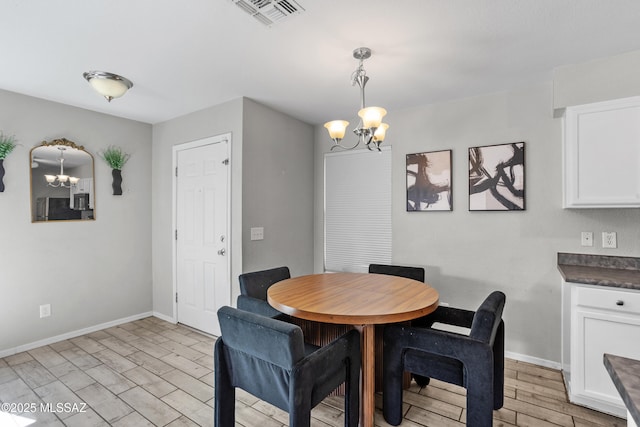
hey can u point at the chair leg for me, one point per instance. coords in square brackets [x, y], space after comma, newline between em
[392, 395]
[352, 396]
[420, 380]
[225, 393]
[480, 399]
[498, 368]
[300, 413]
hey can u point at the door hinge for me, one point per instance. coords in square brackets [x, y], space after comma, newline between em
[225, 162]
[176, 234]
[176, 297]
[176, 171]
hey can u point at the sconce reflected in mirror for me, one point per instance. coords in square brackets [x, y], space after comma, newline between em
[62, 186]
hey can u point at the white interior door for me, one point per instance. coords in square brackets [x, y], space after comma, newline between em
[202, 267]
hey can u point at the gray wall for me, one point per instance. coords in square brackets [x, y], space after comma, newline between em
[277, 190]
[271, 186]
[120, 265]
[600, 80]
[469, 254]
[212, 121]
[90, 272]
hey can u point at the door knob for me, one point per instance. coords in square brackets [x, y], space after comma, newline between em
[221, 251]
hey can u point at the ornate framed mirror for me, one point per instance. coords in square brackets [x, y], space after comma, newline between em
[62, 182]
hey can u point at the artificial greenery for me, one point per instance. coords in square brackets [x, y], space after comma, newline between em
[7, 144]
[115, 157]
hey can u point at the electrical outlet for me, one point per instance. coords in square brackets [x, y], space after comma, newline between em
[45, 310]
[609, 239]
[587, 238]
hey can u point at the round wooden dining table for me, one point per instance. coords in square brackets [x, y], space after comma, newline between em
[359, 299]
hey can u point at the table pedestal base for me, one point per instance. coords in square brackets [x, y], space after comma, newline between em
[368, 377]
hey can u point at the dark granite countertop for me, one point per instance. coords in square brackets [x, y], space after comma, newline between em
[625, 374]
[601, 270]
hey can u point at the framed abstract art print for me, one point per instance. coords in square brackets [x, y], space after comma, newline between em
[429, 181]
[496, 177]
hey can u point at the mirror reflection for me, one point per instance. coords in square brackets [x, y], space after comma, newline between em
[61, 182]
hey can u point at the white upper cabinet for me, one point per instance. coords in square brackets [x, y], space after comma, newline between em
[602, 155]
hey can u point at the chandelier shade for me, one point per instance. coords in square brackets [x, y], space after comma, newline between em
[370, 130]
[380, 132]
[337, 128]
[372, 116]
[108, 84]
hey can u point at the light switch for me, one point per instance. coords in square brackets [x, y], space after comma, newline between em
[257, 233]
[45, 310]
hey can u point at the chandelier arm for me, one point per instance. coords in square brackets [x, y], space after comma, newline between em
[342, 147]
[375, 144]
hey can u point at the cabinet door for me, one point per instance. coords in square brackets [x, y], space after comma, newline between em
[602, 154]
[80, 186]
[606, 334]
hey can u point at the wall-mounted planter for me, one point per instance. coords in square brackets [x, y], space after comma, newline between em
[7, 144]
[1, 175]
[117, 182]
[116, 158]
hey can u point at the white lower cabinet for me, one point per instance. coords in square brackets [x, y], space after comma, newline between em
[603, 320]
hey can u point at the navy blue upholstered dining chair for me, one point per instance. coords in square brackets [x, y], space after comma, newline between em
[269, 359]
[253, 290]
[415, 273]
[475, 362]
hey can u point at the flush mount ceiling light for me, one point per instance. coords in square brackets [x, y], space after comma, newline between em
[370, 130]
[107, 84]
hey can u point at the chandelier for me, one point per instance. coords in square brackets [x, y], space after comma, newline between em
[370, 130]
[62, 179]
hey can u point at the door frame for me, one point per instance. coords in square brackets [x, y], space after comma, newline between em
[209, 140]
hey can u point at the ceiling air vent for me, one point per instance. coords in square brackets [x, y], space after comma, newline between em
[270, 12]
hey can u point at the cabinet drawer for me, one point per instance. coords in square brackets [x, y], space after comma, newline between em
[608, 299]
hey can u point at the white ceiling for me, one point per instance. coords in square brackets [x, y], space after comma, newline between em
[183, 56]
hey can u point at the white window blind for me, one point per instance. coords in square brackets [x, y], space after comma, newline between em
[357, 202]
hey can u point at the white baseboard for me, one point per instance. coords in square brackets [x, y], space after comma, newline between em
[533, 360]
[72, 334]
[164, 317]
[90, 329]
[615, 409]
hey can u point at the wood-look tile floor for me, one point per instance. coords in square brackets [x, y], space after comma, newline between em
[153, 373]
